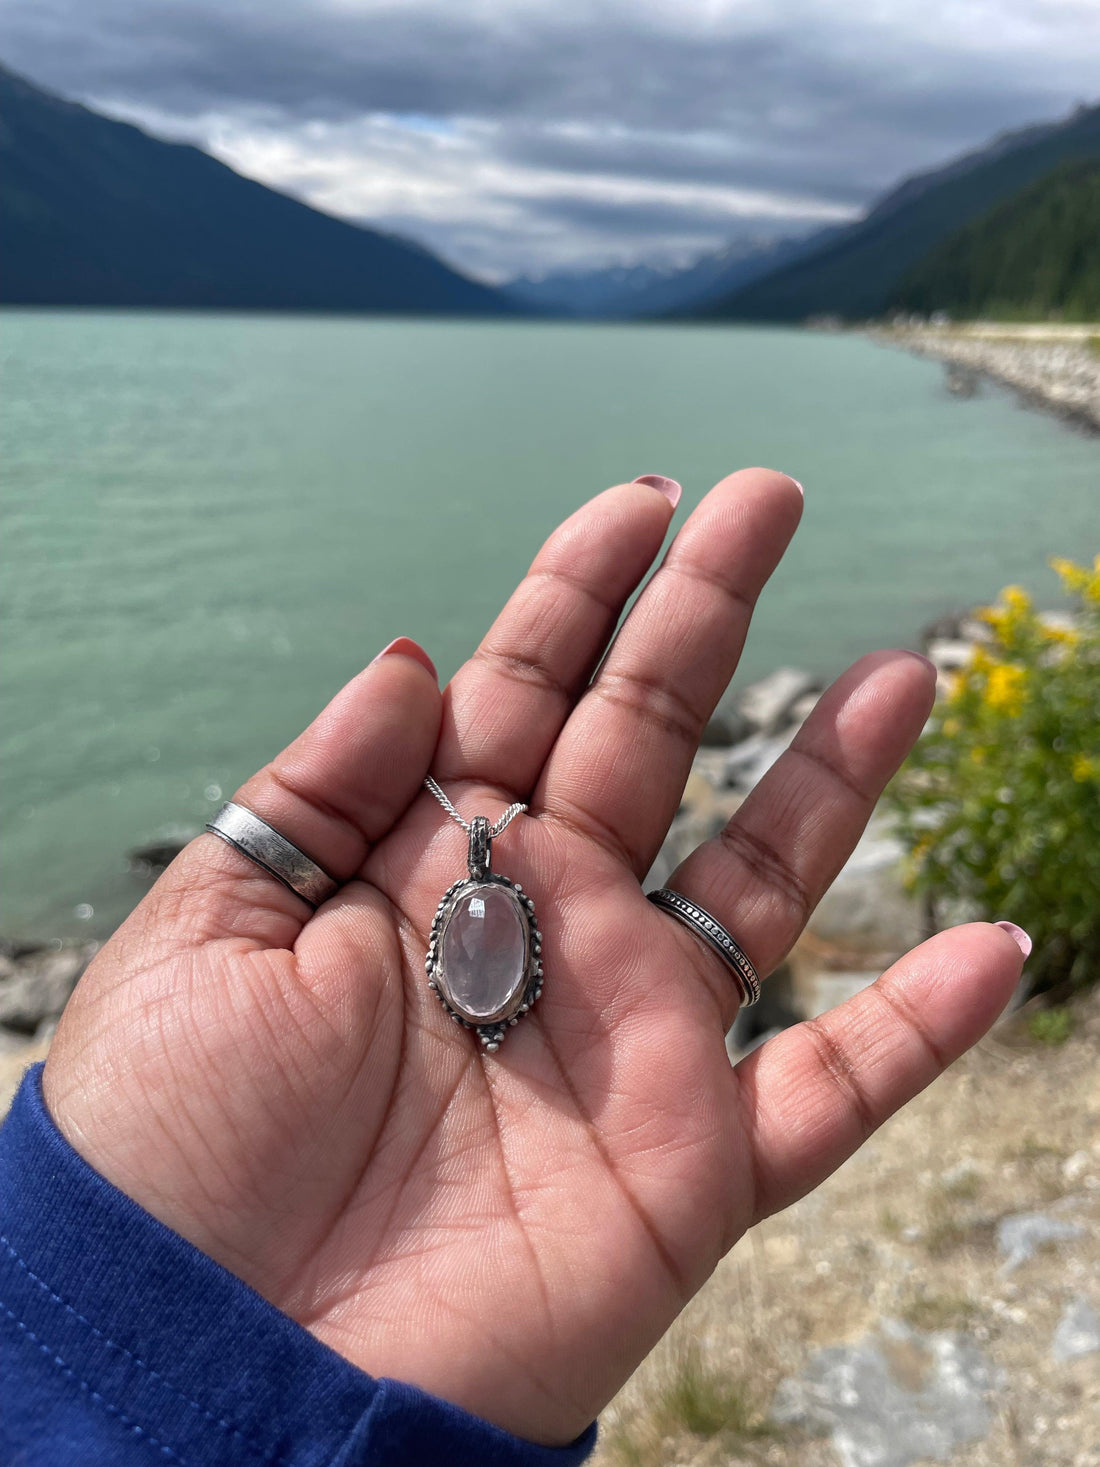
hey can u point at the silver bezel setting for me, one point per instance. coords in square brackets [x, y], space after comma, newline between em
[490, 1031]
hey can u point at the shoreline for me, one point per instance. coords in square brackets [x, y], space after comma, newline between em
[1055, 368]
[865, 921]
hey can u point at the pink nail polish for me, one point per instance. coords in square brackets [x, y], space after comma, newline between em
[668, 487]
[1018, 935]
[406, 647]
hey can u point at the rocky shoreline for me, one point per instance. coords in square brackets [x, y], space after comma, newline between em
[864, 923]
[1053, 368]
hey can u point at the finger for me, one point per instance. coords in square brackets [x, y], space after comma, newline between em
[813, 1094]
[504, 708]
[764, 873]
[337, 788]
[619, 768]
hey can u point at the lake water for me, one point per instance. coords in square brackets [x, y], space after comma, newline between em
[213, 522]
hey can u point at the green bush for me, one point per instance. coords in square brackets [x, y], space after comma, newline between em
[999, 804]
[1051, 1026]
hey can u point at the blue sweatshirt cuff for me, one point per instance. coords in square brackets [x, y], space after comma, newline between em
[121, 1343]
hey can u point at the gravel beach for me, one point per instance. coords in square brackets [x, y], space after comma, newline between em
[1056, 368]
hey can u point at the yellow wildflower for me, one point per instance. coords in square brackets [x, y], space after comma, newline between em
[1074, 577]
[1066, 636]
[951, 727]
[1005, 687]
[1084, 768]
[1078, 579]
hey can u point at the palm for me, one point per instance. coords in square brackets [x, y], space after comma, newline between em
[511, 1231]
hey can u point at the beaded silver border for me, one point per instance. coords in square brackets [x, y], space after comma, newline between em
[698, 920]
[489, 1033]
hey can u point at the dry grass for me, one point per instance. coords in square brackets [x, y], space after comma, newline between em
[903, 1230]
[692, 1397]
[938, 1311]
[949, 1223]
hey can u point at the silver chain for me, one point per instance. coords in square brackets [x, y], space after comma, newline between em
[494, 830]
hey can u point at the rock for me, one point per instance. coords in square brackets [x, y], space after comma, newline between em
[867, 906]
[150, 861]
[748, 763]
[1074, 1167]
[777, 1009]
[819, 989]
[963, 1174]
[15, 1055]
[896, 1397]
[955, 626]
[704, 810]
[767, 704]
[1021, 1233]
[1059, 621]
[946, 628]
[802, 707]
[962, 381]
[727, 726]
[1078, 1331]
[949, 656]
[1055, 371]
[35, 988]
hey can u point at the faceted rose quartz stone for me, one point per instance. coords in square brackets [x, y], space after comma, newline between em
[484, 952]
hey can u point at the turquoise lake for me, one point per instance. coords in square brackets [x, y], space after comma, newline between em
[212, 522]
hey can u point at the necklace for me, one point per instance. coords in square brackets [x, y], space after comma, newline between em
[484, 950]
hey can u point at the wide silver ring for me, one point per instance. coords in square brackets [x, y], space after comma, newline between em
[278, 856]
[699, 921]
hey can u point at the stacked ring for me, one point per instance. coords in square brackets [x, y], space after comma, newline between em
[700, 922]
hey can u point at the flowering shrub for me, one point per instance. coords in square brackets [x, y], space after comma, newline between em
[999, 804]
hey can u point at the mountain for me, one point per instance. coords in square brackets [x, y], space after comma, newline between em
[98, 213]
[714, 276]
[605, 290]
[1035, 255]
[625, 292]
[622, 292]
[856, 272]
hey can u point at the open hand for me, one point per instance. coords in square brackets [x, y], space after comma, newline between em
[514, 1231]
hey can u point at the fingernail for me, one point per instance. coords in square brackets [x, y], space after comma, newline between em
[668, 487]
[1018, 935]
[796, 484]
[406, 647]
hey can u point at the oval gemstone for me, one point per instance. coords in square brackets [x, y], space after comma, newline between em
[483, 949]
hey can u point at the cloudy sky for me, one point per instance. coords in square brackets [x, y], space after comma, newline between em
[523, 135]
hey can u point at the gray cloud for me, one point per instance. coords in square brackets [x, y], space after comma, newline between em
[484, 130]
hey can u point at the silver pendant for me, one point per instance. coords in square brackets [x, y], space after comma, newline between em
[484, 952]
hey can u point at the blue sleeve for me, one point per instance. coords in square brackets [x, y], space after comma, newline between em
[121, 1343]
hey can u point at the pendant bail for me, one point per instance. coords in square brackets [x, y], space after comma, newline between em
[479, 854]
